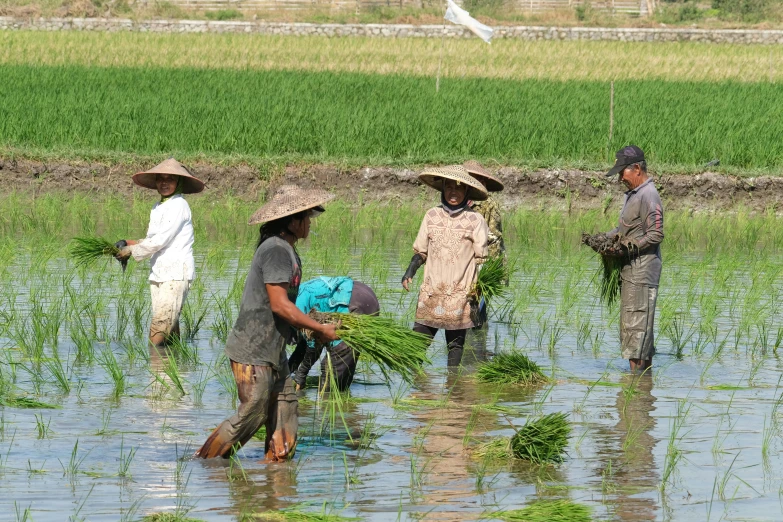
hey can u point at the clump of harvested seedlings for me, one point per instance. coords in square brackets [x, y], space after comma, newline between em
[393, 347]
[547, 511]
[611, 263]
[512, 367]
[542, 440]
[85, 250]
[492, 277]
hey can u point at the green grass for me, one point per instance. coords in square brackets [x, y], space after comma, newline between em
[512, 367]
[11, 401]
[547, 511]
[384, 119]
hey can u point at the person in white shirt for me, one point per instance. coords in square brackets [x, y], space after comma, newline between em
[169, 245]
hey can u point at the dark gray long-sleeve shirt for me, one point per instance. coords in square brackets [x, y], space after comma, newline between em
[642, 220]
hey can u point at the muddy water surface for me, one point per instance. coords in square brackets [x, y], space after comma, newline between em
[699, 439]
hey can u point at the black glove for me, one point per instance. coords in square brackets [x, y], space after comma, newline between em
[416, 262]
[123, 260]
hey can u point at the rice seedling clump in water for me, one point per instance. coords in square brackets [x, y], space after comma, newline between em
[547, 511]
[85, 250]
[542, 440]
[512, 367]
[393, 347]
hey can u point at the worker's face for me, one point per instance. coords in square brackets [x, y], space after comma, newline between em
[632, 176]
[166, 184]
[301, 227]
[454, 192]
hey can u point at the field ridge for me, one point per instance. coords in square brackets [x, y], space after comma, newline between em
[559, 188]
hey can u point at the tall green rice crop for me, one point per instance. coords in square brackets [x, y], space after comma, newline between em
[365, 118]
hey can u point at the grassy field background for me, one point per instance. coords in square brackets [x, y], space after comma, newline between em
[373, 101]
[507, 59]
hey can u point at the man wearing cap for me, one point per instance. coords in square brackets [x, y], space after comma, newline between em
[168, 245]
[640, 231]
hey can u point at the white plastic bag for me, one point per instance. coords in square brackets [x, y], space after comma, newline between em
[459, 16]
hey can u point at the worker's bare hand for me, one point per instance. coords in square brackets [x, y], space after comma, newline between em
[124, 253]
[328, 333]
[406, 284]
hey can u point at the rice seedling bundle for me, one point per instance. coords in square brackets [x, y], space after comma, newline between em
[393, 347]
[512, 367]
[542, 440]
[611, 265]
[85, 250]
[547, 511]
[492, 277]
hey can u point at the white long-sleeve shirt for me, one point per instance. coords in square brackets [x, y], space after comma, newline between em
[169, 242]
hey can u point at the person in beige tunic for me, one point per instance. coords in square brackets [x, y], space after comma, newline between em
[452, 241]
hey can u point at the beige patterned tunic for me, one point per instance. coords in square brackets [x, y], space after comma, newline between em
[451, 247]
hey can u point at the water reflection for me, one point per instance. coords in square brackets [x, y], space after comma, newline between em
[633, 468]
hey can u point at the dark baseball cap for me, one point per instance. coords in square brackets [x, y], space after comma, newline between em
[626, 156]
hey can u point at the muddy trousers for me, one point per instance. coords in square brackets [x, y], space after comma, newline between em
[455, 341]
[266, 398]
[637, 320]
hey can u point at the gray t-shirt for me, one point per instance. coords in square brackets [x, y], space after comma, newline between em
[642, 219]
[259, 336]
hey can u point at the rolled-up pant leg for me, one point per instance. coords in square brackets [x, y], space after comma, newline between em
[167, 298]
[256, 386]
[637, 320]
[283, 421]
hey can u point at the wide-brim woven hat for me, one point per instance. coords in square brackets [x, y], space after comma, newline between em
[434, 177]
[289, 200]
[476, 170]
[190, 183]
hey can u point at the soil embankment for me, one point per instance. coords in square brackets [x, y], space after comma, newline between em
[550, 188]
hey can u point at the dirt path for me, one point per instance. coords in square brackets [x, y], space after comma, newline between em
[534, 189]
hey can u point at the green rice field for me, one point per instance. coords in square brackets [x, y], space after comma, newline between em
[88, 412]
[96, 426]
[247, 107]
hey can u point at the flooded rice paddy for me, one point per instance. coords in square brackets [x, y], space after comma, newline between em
[698, 440]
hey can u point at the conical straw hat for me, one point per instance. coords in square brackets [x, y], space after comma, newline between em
[290, 200]
[190, 183]
[475, 169]
[433, 177]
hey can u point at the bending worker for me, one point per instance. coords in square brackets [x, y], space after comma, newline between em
[169, 245]
[640, 231]
[328, 295]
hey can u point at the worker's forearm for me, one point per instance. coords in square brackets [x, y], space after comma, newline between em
[293, 316]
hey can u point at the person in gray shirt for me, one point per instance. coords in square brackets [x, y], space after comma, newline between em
[640, 231]
[267, 313]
